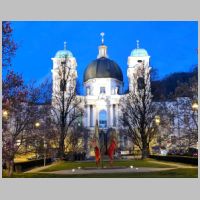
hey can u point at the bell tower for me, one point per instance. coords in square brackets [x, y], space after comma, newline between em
[137, 61]
[64, 72]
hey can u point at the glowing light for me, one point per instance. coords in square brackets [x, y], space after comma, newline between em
[37, 124]
[131, 166]
[157, 119]
[195, 106]
[5, 113]
[73, 170]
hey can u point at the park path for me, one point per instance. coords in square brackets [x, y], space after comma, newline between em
[176, 165]
[38, 169]
[108, 171]
[93, 171]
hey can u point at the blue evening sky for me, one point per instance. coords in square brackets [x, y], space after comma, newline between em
[171, 45]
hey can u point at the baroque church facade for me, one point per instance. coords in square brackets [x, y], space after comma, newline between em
[103, 85]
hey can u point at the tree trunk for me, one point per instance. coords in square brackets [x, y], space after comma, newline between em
[10, 167]
[145, 151]
[61, 146]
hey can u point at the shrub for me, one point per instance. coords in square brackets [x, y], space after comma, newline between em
[24, 166]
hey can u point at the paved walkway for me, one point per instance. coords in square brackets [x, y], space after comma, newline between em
[91, 170]
[173, 164]
[38, 169]
[107, 171]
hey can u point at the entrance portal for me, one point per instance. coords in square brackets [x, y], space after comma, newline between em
[102, 119]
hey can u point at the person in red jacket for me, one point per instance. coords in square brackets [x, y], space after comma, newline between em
[111, 150]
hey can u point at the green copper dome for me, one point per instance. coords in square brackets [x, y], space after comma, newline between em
[139, 53]
[63, 54]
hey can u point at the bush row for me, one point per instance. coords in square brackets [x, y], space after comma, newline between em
[24, 166]
[181, 159]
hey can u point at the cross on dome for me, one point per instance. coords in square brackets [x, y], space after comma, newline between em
[102, 37]
[65, 45]
[138, 44]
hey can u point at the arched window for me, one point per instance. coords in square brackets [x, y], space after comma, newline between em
[88, 90]
[102, 119]
[140, 82]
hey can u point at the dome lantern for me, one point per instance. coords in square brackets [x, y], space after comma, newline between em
[102, 48]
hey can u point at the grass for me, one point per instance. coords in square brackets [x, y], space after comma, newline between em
[178, 172]
[63, 165]
[175, 173]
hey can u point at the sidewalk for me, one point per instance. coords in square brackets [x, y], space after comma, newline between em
[107, 171]
[173, 164]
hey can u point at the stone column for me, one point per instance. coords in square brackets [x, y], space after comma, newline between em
[94, 115]
[108, 115]
[111, 115]
[117, 114]
[88, 115]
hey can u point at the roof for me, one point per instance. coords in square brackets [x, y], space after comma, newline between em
[139, 53]
[103, 68]
[63, 54]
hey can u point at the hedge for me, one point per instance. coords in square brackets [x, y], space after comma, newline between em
[181, 159]
[24, 166]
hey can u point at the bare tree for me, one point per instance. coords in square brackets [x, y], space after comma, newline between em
[18, 117]
[66, 104]
[77, 139]
[43, 137]
[9, 46]
[138, 111]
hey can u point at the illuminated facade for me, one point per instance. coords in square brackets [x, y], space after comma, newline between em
[103, 85]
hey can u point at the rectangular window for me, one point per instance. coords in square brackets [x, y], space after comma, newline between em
[102, 90]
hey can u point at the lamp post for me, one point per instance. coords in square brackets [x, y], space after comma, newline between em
[157, 121]
[45, 150]
[195, 112]
[38, 125]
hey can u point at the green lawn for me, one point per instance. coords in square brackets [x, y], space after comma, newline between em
[178, 172]
[62, 165]
[175, 173]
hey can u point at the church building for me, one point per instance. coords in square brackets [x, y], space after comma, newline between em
[103, 85]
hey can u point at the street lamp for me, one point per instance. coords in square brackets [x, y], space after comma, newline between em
[157, 121]
[195, 112]
[195, 106]
[5, 113]
[37, 124]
